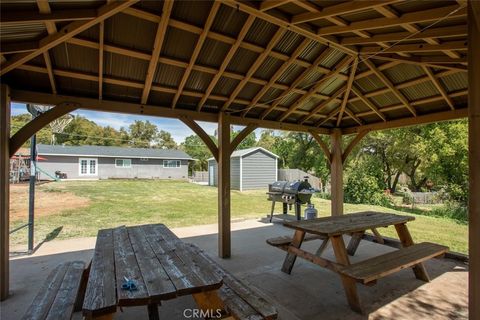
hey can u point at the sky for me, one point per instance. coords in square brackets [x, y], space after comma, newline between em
[177, 129]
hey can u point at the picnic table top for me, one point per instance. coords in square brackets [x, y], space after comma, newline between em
[161, 265]
[349, 223]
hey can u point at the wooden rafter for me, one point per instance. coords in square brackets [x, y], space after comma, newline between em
[44, 8]
[369, 104]
[412, 17]
[415, 48]
[338, 68]
[285, 23]
[101, 44]
[157, 48]
[243, 32]
[430, 61]
[360, 135]
[347, 91]
[323, 145]
[297, 81]
[389, 84]
[276, 75]
[26, 17]
[65, 33]
[258, 62]
[340, 9]
[202, 135]
[196, 51]
[330, 116]
[270, 4]
[323, 104]
[242, 135]
[352, 116]
[439, 87]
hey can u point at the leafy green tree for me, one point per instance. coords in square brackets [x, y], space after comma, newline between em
[44, 136]
[195, 147]
[164, 140]
[266, 140]
[142, 133]
[248, 142]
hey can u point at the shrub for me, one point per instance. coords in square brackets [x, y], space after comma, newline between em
[453, 210]
[361, 188]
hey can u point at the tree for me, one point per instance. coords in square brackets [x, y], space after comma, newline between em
[195, 147]
[18, 121]
[248, 142]
[267, 139]
[164, 140]
[142, 133]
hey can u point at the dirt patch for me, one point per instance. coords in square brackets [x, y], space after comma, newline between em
[46, 202]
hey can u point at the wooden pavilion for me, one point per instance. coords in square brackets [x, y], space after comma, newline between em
[329, 68]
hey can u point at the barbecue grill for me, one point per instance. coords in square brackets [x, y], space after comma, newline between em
[290, 194]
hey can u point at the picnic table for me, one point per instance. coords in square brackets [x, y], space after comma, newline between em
[332, 229]
[158, 263]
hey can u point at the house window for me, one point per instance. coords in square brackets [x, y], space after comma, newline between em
[87, 167]
[171, 163]
[123, 163]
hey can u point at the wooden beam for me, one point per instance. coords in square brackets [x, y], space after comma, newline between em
[101, 43]
[411, 121]
[323, 146]
[224, 153]
[338, 68]
[242, 135]
[270, 4]
[30, 17]
[258, 62]
[226, 60]
[65, 33]
[340, 9]
[157, 48]
[323, 104]
[347, 91]
[415, 48]
[430, 61]
[455, 11]
[285, 23]
[276, 75]
[4, 192]
[153, 110]
[474, 159]
[330, 116]
[336, 173]
[18, 47]
[439, 87]
[196, 51]
[369, 104]
[297, 81]
[353, 116]
[32, 127]
[44, 8]
[390, 85]
[441, 32]
[202, 135]
[360, 135]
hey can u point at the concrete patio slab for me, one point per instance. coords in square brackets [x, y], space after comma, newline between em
[310, 292]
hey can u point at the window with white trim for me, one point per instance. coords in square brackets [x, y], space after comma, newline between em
[123, 163]
[87, 166]
[171, 163]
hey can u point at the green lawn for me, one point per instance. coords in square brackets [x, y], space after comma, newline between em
[175, 203]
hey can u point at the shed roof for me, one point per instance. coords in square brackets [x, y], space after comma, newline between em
[317, 65]
[244, 152]
[102, 151]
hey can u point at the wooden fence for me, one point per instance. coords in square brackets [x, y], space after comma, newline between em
[297, 174]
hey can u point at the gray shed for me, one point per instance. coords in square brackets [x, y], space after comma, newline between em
[252, 168]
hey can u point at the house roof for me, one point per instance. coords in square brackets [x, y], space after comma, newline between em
[102, 151]
[311, 65]
[245, 152]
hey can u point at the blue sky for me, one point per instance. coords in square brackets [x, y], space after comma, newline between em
[177, 128]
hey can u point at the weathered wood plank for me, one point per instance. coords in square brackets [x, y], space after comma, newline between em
[291, 257]
[46, 295]
[286, 240]
[349, 223]
[354, 242]
[62, 306]
[100, 295]
[386, 264]
[126, 265]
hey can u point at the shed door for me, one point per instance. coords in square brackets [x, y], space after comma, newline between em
[211, 172]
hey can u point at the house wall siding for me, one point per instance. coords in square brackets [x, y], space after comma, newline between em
[151, 169]
[258, 170]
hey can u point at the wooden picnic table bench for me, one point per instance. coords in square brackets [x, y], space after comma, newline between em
[163, 267]
[365, 272]
[58, 294]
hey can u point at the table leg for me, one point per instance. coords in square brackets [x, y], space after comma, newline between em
[378, 236]
[354, 242]
[153, 311]
[349, 284]
[104, 317]
[271, 211]
[406, 240]
[291, 257]
[322, 247]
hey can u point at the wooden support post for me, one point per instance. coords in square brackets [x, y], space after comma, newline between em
[4, 190]
[289, 261]
[337, 173]
[474, 158]
[224, 152]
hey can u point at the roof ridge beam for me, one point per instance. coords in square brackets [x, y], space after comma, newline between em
[369, 104]
[419, 47]
[67, 32]
[347, 91]
[439, 87]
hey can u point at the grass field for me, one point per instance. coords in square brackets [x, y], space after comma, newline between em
[79, 208]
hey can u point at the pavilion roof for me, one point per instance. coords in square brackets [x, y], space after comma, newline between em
[319, 64]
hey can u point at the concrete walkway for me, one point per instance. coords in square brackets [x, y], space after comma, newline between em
[310, 292]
